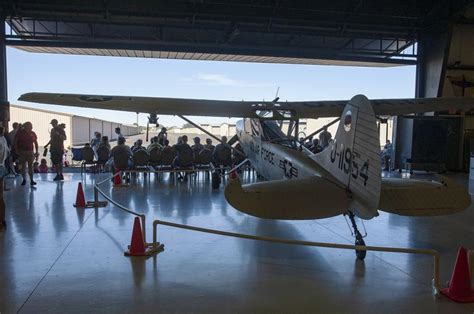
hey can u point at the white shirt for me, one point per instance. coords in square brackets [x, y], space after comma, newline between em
[4, 151]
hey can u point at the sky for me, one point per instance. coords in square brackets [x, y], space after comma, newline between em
[30, 72]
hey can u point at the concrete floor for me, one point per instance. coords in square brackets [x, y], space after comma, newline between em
[58, 259]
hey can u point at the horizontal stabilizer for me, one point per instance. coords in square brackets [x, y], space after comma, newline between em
[409, 197]
[305, 198]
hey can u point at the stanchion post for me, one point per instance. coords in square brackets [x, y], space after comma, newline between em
[143, 218]
[436, 283]
[155, 232]
[96, 195]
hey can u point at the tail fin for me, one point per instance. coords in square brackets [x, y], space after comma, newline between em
[353, 158]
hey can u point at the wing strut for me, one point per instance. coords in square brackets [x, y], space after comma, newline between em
[319, 130]
[210, 134]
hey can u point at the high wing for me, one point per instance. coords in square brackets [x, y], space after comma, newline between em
[247, 109]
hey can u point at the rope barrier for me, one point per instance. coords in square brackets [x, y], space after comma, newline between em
[435, 254]
[98, 191]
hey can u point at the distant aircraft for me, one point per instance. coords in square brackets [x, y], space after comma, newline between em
[345, 178]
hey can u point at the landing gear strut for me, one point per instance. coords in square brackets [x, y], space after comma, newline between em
[358, 238]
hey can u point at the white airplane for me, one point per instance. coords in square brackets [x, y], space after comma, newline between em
[345, 178]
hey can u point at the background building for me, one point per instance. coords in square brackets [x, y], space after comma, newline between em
[79, 129]
[306, 127]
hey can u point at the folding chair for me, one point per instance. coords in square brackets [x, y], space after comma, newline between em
[87, 158]
[76, 159]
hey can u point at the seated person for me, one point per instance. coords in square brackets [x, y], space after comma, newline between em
[121, 154]
[184, 152]
[88, 153]
[197, 148]
[315, 147]
[137, 145]
[154, 142]
[43, 166]
[167, 154]
[104, 142]
[209, 145]
[222, 155]
[387, 155]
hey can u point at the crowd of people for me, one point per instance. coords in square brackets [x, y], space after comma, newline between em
[184, 155]
[19, 153]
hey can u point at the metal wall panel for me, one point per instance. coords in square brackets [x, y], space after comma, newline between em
[41, 122]
[95, 126]
[107, 129]
[80, 130]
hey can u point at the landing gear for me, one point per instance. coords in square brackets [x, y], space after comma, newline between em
[358, 238]
[360, 253]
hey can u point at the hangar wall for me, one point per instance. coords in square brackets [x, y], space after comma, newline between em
[445, 69]
[79, 130]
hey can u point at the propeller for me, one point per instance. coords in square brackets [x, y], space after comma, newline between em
[277, 98]
[152, 119]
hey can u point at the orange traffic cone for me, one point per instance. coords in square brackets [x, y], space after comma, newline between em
[137, 245]
[80, 199]
[459, 288]
[118, 178]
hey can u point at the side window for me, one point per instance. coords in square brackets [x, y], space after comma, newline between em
[247, 126]
[255, 124]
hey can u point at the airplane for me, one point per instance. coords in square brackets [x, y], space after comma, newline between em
[343, 179]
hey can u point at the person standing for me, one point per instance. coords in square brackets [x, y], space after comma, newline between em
[26, 146]
[12, 158]
[162, 136]
[209, 145]
[104, 142]
[96, 141]
[56, 143]
[119, 133]
[222, 154]
[325, 138]
[4, 151]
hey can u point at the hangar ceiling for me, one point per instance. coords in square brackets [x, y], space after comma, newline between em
[364, 32]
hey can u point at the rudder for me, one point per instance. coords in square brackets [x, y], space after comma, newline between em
[353, 158]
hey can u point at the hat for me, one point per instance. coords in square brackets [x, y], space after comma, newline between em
[54, 121]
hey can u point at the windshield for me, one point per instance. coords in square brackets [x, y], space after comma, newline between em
[271, 130]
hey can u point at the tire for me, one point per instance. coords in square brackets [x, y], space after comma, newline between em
[360, 253]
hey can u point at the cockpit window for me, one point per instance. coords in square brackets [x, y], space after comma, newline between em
[271, 130]
[255, 127]
[247, 125]
[264, 113]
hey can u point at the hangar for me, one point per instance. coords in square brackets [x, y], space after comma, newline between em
[79, 130]
[436, 36]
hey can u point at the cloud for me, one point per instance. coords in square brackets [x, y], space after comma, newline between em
[217, 79]
[214, 79]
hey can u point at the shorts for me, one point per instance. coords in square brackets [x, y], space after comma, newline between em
[26, 156]
[56, 156]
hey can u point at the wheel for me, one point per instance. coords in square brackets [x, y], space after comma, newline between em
[360, 253]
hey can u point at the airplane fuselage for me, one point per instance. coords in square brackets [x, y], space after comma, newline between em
[273, 160]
